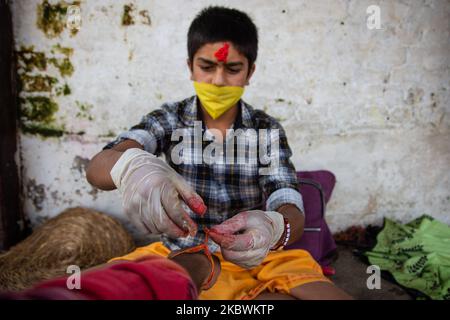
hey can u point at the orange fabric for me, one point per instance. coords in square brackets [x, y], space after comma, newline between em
[202, 247]
[279, 272]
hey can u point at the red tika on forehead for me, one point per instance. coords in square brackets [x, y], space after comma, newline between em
[222, 53]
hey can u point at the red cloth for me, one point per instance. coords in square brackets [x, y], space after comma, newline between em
[155, 278]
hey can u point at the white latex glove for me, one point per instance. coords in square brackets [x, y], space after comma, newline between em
[246, 238]
[151, 191]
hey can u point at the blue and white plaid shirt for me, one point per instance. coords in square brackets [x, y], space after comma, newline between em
[226, 188]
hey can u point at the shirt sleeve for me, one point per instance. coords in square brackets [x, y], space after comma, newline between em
[153, 132]
[277, 175]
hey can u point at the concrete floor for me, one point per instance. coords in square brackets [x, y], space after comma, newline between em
[351, 276]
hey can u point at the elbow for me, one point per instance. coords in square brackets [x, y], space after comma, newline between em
[90, 176]
[93, 172]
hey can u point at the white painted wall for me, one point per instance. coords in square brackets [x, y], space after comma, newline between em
[372, 106]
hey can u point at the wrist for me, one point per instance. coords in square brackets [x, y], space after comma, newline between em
[279, 227]
[296, 220]
[285, 236]
[99, 168]
[196, 264]
[123, 163]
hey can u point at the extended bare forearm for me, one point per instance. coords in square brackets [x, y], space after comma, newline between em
[98, 171]
[296, 220]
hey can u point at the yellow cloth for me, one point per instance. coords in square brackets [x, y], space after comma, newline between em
[279, 272]
[217, 100]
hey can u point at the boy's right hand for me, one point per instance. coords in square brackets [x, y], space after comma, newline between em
[151, 191]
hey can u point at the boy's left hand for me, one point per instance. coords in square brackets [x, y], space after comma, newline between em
[246, 238]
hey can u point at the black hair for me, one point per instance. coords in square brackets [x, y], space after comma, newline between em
[214, 24]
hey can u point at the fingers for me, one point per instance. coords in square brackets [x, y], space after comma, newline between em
[232, 225]
[245, 259]
[160, 218]
[176, 213]
[225, 233]
[167, 226]
[244, 239]
[239, 242]
[192, 199]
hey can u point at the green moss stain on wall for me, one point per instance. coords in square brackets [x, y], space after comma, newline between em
[39, 108]
[39, 88]
[43, 130]
[131, 16]
[51, 18]
[84, 111]
[145, 17]
[29, 59]
[37, 83]
[37, 116]
[68, 52]
[64, 90]
[109, 134]
[64, 66]
[127, 18]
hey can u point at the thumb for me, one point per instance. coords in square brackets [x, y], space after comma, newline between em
[224, 233]
[239, 242]
[192, 199]
[234, 224]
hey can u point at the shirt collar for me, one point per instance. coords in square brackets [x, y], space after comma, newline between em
[188, 112]
[246, 115]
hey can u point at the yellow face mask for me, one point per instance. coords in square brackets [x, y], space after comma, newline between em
[217, 100]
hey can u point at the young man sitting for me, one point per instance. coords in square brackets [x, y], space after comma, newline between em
[205, 197]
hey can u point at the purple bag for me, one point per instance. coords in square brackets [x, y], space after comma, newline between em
[316, 188]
